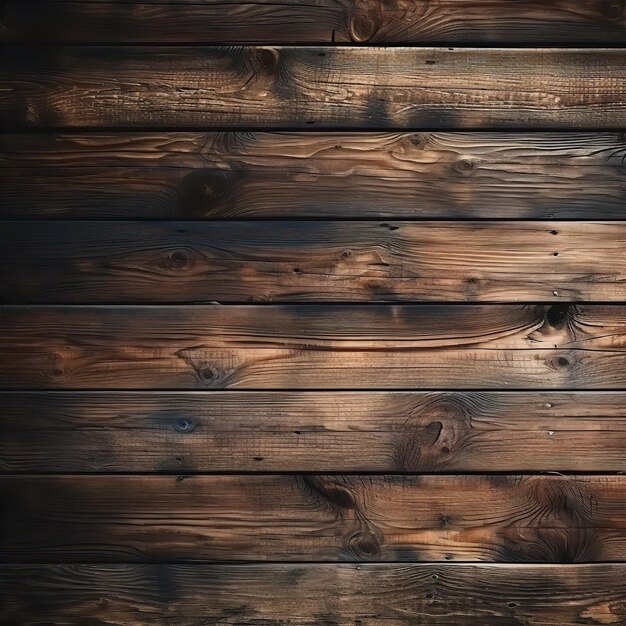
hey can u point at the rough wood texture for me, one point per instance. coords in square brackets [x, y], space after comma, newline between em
[554, 519]
[324, 21]
[314, 595]
[286, 261]
[314, 347]
[312, 431]
[242, 175]
[347, 87]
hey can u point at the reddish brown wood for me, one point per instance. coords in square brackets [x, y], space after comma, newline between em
[325, 21]
[242, 175]
[311, 87]
[310, 595]
[312, 431]
[553, 519]
[314, 347]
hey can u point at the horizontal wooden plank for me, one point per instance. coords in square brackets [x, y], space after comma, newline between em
[508, 518]
[312, 87]
[315, 594]
[242, 175]
[287, 261]
[325, 21]
[313, 347]
[312, 431]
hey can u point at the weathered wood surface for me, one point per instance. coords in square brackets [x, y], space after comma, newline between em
[312, 87]
[324, 21]
[313, 347]
[314, 594]
[509, 518]
[241, 175]
[287, 261]
[312, 431]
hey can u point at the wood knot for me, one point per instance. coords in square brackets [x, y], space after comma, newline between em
[209, 373]
[558, 315]
[178, 259]
[363, 544]
[362, 28]
[465, 166]
[205, 191]
[333, 494]
[418, 141]
[431, 434]
[268, 58]
[184, 425]
[560, 363]
[57, 368]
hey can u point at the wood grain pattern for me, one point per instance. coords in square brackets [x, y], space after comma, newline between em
[313, 347]
[331, 87]
[324, 21]
[242, 175]
[312, 431]
[554, 519]
[286, 261]
[315, 595]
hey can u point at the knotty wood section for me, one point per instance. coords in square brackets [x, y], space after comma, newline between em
[552, 519]
[312, 87]
[325, 21]
[313, 347]
[286, 261]
[311, 595]
[242, 175]
[312, 431]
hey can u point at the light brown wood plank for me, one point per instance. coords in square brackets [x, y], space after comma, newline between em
[287, 261]
[314, 347]
[315, 595]
[243, 175]
[312, 431]
[510, 518]
[312, 87]
[324, 21]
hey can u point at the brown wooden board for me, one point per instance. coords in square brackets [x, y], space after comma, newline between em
[286, 261]
[324, 21]
[315, 594]
[553, 519]
[241, 175]
[313, 347]
[312, 431]
[312, 87]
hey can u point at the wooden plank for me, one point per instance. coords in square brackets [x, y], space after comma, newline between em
[505, 518]
[314, 347]
[286, 261]
[312, 87]
[325, 21]
[315, 594]
[312, 431]
[242, 175]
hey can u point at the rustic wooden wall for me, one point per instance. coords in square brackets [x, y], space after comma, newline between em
[313, 312]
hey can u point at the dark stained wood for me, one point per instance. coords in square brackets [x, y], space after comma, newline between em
[242, 175]
[505, 518]
[324, 21]
[287, 261]
[208, 416]
[315, 594]
[313, 347]
[312, 431]
[312, 87]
